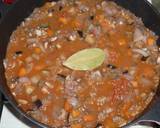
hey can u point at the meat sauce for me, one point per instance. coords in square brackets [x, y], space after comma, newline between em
[108, 96]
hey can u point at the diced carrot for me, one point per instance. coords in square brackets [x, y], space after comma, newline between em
[76, 126]
[108, 123]
[103, 21]
[129, 53]
[37, 50]
[122, 42]
[22, 72]
[39, 67]
[57, 89]
[150, 41]
[88, 118]
[49, 32]
[63, 20]
[75, 113]
[67, 106]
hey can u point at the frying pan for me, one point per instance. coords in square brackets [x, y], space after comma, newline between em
[12, 15]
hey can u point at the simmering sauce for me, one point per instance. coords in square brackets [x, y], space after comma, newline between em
[108, 96]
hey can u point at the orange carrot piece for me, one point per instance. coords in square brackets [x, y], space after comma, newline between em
[150, 41]
[49, 32]
[108, 123]
[37, 50]
[88, 118]
[75, 113]
[67, 107]
[129, 53]
[22, 72]
[63, 20]
[39, 67]
[122, 42]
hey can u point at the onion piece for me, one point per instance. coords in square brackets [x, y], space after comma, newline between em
[128, 76]
[32, 40]
[90, 39]
[49, 85]
[35, 56]
[142, 52]
[46, 72]
[29, 89]
[24, 80]
[139, 36]
[35, 79]
[109, 11]
[42, 48]
[73, 101]
[9, 65]
[28, 59]
[96, 75]
[5, 62]
[83, 8]
[132, 70]
[22, 101]
[158, 60]
[29, 67]
[45, 90]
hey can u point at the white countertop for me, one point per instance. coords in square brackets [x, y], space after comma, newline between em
[8, 120]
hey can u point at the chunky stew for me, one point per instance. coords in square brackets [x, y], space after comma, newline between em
[83, 64]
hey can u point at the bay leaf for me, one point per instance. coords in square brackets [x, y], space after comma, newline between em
[86, 59]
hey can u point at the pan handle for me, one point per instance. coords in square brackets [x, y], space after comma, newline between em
[5, 6]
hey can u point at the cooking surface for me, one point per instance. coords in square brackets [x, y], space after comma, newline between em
[2, 121]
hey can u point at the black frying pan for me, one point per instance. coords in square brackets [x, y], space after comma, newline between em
[12, 15]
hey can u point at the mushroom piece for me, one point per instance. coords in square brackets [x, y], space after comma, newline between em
[90, 39]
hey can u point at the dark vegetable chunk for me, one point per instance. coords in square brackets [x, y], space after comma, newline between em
[111, 66]
[18, 53]
[80, 33]
[144, 58]
[61, 77]
[38, 103]
[92, 17]
[60, 8]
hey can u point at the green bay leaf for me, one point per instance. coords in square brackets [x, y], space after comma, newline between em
[87, 59]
